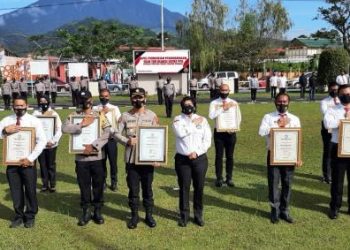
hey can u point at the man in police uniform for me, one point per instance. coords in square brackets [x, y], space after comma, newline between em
[6, 93]
[193, 139]
[14, 88]
[84, 83]
[169, 95]
[22, 179]
[211, 82]
[102, 84]
[47, 86]
[193, 89]
[89, 166]
[39, 90]
[224, 141]
[112, 114]
[75, 88]
[133, 84]
[329, 102]
[137, 174]
[279, 201]
[23, 88]
[160, 85]
[53, 92]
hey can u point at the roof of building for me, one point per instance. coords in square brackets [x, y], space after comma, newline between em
[315, 43]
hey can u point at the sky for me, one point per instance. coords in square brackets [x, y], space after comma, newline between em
[301, 12]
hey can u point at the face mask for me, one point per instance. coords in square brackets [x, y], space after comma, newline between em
[281, 108]
[345, 99]
[44, 107]
[138, 103]
[20, 112]
[188, 109]
[104, 101]
[333, 93]
[223, 95]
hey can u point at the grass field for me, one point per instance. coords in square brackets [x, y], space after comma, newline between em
[235, 218]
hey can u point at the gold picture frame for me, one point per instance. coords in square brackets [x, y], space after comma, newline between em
[344, 139]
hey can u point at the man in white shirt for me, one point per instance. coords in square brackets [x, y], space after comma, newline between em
[329, 102]
[281, 118]
[193, 139]
[339, 165]
[224, 141]
[253, 85]
[111, 150]
[273, 85]
[343, 78]
[22, 178]
[282, 83]
[47, 158]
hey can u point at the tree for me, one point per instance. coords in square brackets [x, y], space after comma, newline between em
[323, 33]
[332, 62]
[338, 15]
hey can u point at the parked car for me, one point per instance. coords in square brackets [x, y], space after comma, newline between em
[294, 83]
[204, 82]
[61, 85]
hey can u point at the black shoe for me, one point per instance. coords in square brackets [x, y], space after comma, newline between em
[286, 217]
[274, 217]
[132, 224]
[182, 223]
[199, 221]
[97, 217]
[113, 186]
[29, 223]
[16, 223]
[52, 189]
[85, 218]
[44, 189]
[149, 220]
[218, 183]
[333, 214]
[230, 183]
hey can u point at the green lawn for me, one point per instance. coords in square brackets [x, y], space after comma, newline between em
[235, 217]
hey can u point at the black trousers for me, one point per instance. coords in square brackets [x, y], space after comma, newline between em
[75, 101]
[253, 94]
[53, 97]
[22, 182]
[282, 90]
[15, 95]
[111, 151]
[302, 91]
[326, 156]
[7, 101]
[191, 170]
[137, 174]
[312, 93]
[160, 96]
[90, 176]
[168, 100]
[339, 167]
[279, 200]
[193, 94]
[38, 96]
[273, 92]
[212, 94]
[224, 142]
[24, 94]
[47, 161]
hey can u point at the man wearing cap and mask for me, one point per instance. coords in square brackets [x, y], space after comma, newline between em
[224, 141]
[6, 93]
[339, 165]
[112, 114]
[39, 89]
[89, 166]
[128, 123]
[329, 102]
[169, 95]
[279, 201]
[47, 159]
[22, 178]
[193, 139]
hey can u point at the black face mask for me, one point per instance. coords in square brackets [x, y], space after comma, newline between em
[224, 95]
[138, 103]
[104, 101]
[282, 108]
[345, 99]
[188, 109]
[20, 112]
[333, 93]
[44, 107]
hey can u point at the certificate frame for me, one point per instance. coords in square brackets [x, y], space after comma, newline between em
[344, 139]
[141, 132]
[8, 143]
[75, 119]
[275, 144]
[219, 122]
[52, 120]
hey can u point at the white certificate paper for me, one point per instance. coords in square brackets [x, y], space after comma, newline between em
[152, 145]
[49, 126]
[228, 120]
[88, 135]
[18, 146]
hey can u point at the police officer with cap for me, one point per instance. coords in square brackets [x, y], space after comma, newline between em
[128, 123]
[89, 164]
[169, 95]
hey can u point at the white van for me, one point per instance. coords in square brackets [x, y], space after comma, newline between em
[204, 82]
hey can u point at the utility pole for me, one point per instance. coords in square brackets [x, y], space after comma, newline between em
[162, 23]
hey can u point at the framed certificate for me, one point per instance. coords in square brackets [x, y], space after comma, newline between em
[285, 146]
[18, 146]
[88, 134]
[227, 121]
[152, 145]
[49, 125]
[344, 139]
